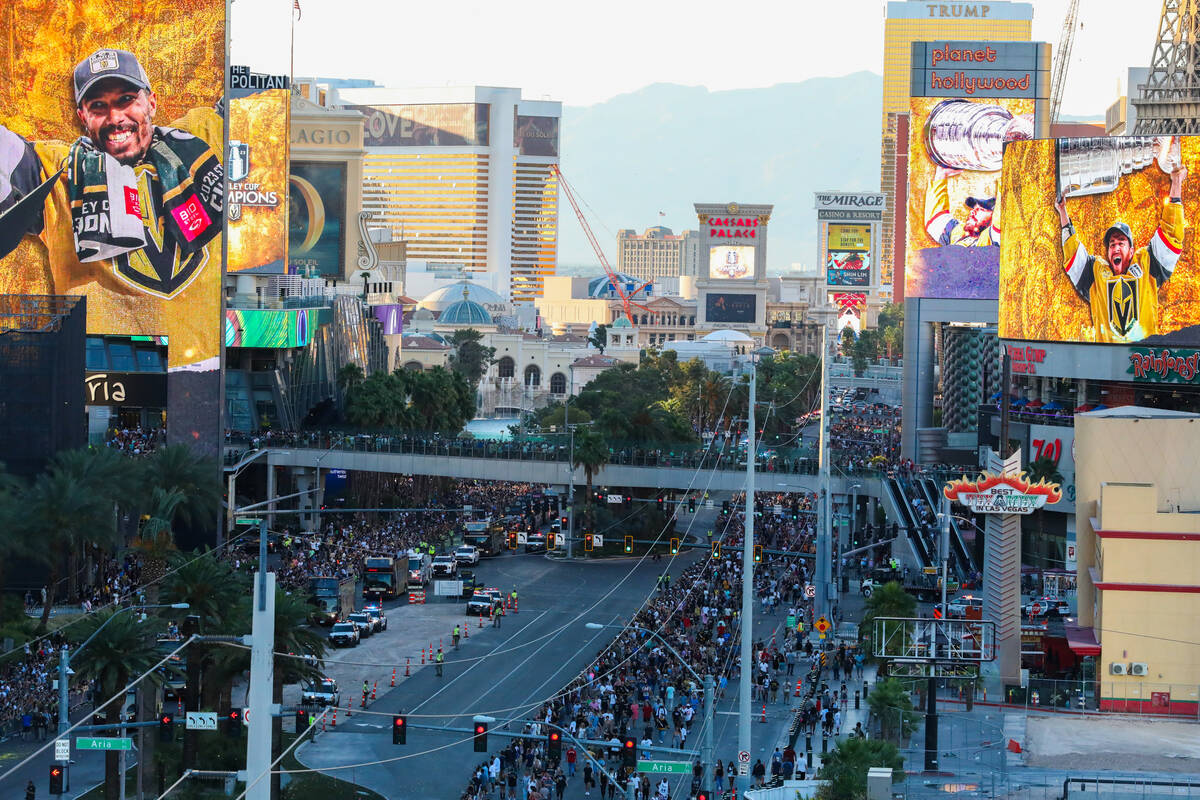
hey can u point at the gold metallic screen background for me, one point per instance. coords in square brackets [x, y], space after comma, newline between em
[260, 236]
[1037, 300]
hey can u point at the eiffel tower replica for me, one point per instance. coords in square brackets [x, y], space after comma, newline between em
[1170, 98]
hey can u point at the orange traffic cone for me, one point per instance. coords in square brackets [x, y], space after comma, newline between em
[799, 683]
[481, 621]
[407, 666]
[393, 676]
[764, 713]
[334, 724]
[349, 713]
[466, 631]
[374, 688]
[422, 655]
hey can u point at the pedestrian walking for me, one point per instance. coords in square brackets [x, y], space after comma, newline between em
[440, 658]
[30, 791]
[454, 636]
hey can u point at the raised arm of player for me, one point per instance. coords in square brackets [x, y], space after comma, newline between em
[939, 223]
[1076, 261]
[1167, 242]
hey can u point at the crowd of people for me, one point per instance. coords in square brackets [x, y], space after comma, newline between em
[340, 545]
[644, 684]
[28, 702]
[869, 440]
[135, 441]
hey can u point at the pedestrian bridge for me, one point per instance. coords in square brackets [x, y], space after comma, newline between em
[639, 469]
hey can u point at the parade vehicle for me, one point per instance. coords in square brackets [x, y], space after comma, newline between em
[320, 692]
[331, 597]
[343, 634]
[445, 566]
[383, 578]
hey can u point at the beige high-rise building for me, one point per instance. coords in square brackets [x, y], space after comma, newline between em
[658, 253]
[911, 21]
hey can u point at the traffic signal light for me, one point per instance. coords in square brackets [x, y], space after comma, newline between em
[554, 746]
[400, 729]
[795, 511]
[716, 549]
[587, 542]
[628, 544]
[629, 752]
[302, 722]
[234, 720]
[56, 779]
[724, 508]
[758, 554]
[628, 502]
[691, 504]
[512, 540]
[480, 737]
[565, 521]
[658, 501]
[166, 728]
[702, 795]
[674, 546]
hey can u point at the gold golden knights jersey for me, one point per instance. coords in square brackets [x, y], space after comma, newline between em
[1125, 307]
[154, 290]
[944, 229]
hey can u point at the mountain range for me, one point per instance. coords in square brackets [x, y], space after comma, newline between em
[643, 158]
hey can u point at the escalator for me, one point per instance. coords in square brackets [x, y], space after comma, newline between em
[961, 556]
[894, 495]
[922, 531]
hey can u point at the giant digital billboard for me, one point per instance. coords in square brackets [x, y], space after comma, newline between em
[317, 218]
[731, 262]
[847, 254]
[430, 125]
[955, 155]
[111, 179]
[1096, 246]
[259, 110]
[725, 307]
[535, 136]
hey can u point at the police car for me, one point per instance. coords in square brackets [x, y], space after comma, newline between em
[483, 601]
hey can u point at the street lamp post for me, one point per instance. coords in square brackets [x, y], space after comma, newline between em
[706, 746]
[747, 618]
[570, 464]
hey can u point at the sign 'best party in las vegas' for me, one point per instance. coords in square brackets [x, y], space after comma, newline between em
[1010, 493]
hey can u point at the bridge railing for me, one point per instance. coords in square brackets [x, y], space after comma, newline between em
[794, 461]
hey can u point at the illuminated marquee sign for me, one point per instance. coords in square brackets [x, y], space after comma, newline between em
[732, 227]
[1002, 494]
[984, 69]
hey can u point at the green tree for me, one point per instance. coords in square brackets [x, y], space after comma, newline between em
[888, 600]
[891, 704]
[470, 358]
[63, 512]
[845, 767]
[305, 650]
[122, 651]
[348, 379]
[156, 538]
[599, 338]
[178, 468]
[591, 453]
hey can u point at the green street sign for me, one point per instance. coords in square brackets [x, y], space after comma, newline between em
[92, 743]
[660, 767]
[246, 521]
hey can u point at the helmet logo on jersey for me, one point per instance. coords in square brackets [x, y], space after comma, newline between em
[1122, 304]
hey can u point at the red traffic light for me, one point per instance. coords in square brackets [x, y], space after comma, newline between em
[480, 728]
[167, 719]
[398, 722]
[630, 744]
[55, 772]
[235, 715]
[555, 736]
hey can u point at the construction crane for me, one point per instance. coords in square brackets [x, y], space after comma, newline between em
[1062, 60]
[627, 301]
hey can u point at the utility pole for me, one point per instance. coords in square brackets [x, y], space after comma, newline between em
[747, 621]
[825, 528]
[262, 674]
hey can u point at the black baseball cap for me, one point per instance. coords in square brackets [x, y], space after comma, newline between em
[1118, 227]
[108, 63]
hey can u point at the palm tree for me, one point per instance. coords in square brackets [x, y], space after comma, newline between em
[305, 651]
[892, 706]
[845, 768]
[198, 478]
[123, 650]
[156, 538]
[888, 600]
[1045, 469]
[62, 515]
[591, 453]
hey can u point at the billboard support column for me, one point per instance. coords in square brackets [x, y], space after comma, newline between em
[1002, 578]
[1005, 397]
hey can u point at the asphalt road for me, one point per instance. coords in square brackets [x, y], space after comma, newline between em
[505, 673]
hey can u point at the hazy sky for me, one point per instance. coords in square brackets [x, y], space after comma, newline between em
[586, 53]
